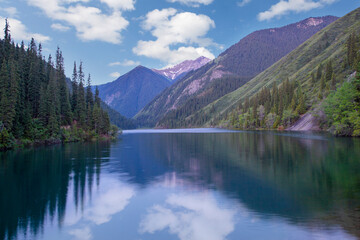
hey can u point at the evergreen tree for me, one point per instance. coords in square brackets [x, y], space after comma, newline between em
[74, 97]
[81, 104]
[97, 98]
[319, 72]
[65, 108]
[301, 108]
[333, 82]
[322, 86]
[89, 94]
[329, 71]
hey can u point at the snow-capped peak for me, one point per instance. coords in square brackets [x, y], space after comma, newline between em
[174, 72]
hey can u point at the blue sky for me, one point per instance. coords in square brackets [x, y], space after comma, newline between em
[113, 36]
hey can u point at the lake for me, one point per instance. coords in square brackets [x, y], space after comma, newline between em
[184, 184]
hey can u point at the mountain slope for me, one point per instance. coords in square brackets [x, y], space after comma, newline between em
[132, 91]
[298, 66]
[230, 70]
[180, 70]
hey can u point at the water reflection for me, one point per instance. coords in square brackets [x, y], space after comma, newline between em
[110, 198]
[190, 217]
[251, 185]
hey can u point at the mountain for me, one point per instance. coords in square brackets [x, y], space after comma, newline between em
[306, 68]
[180, 70]
[132, 91]
[233, 68]
[115, 117]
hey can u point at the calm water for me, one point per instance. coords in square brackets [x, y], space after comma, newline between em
[200, 184]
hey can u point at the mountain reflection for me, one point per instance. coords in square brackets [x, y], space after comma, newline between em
[192, 186]
[300, 177]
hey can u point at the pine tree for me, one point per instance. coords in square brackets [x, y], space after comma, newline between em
[4, 88]
[313, 79]
[81, 104]
[96, 118]
[12, 93]
[319, 72]
[65, 108]
[74, 95]
[97, 98]
[322, 86]
[89, 94]
[333, 82]
[301, 108]
[329, 71]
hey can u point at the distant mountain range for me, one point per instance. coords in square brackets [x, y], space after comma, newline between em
[176, 72]
[302, 66]
[132, 91]
[232, 69]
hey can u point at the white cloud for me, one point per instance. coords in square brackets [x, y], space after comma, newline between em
[10, 11]
[19, 31]
[192, 3]
[91, 23]
[179, 36]
[81, 233]
[120, 4]
[243, 3]
[115, 74]
[190, 217]
[125, 63]
[59, 27]
[285, 7]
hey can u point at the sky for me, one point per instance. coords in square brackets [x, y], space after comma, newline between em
[111, 37]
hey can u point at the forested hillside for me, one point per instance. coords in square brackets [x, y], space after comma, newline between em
[35, 103]
[315, 79]
[232, 69]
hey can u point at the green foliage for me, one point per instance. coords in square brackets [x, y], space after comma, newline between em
[7, 140]
[35, 101]
[298, 67]
[342, 111]
[270, 109]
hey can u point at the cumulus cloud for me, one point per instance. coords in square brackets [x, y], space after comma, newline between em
[125, 63]
[120, 5]
[10, 11]
[115, 74]
[179, 36]
[243, 3]
[91, 23]
[190, 217]
[285, 7]
[59, 27]
[192, 3]
[19, 31]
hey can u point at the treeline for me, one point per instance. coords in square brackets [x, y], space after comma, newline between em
[271, 108]
[281, 106]
[342, 107]
[35, 103]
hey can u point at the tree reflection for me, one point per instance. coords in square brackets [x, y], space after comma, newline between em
[34, 184]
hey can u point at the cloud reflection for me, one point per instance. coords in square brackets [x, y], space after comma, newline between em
[190, 217]
[81, 233]
[111, 198]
